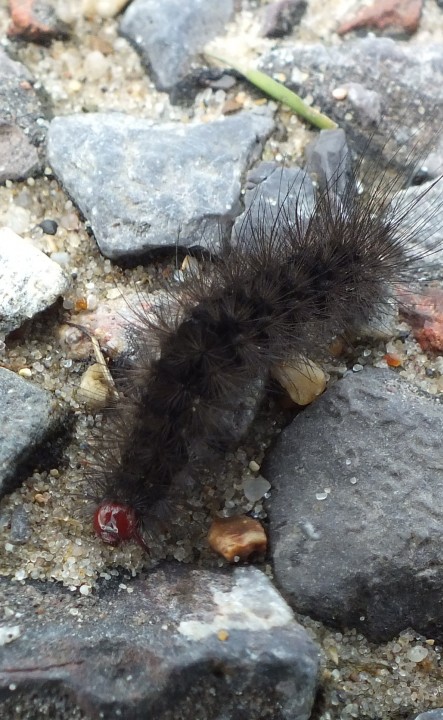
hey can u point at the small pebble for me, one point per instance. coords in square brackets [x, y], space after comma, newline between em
[417, 653]
[340, 93]
[236, 538]
[25, 372]
[255, 488]
[49, 227]
[9, 634]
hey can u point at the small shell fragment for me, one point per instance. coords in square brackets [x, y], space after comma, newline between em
[95, 390]
[237, 537]
[303, 380]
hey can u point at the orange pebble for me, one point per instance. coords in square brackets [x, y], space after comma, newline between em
[392, 360]
[237, 537]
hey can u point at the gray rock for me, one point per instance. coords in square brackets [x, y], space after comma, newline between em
[422, 208]
[272, 194]
[29, 281]
[23, 114]
[170, 34]
[20, 531]
[355, 521]
[431, 715]
[184, 644]
[281, 17]
[329, 160]
[143, 187]
[28, 415]
[18, 157]
[399, 75]
[366, 102]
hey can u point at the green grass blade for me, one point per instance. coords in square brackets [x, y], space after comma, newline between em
[281, 93]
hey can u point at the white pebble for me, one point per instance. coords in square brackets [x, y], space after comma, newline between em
[102, 8]
[340, 93]
[17, 218]
[8, 634]
[95, 65]
[255, 488]
[417, 653]
[29, 280]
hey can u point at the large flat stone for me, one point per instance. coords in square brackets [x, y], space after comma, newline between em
[184, 644]
[355, 510]
[144, 187]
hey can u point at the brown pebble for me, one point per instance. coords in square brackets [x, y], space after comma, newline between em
[395, 15]
[231, 106]
[223, 635]
[237, 537]
[40, 498]
[337, 347]
[425, 313]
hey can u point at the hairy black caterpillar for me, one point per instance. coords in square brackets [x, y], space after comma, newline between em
[285, 286]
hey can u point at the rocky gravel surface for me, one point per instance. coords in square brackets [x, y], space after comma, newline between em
[123, 148]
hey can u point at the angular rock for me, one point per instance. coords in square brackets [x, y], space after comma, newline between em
[355, 526]
[272, 193]
[29, 280]
[23, 115]
[182, 639]
[170, 34]
[281, 17]
[143, 187]
[423, 219]
[328, 159]
[28, 415]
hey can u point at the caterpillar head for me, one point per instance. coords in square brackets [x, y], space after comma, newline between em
[115, 523]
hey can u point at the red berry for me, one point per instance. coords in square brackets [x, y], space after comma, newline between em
[115, 523]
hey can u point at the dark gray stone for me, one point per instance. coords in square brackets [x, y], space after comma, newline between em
[27, 416]
[281, 17]
[422, 207]
[49, 226]
[20, 531]
[366, 102]
[23, 122]
[184, 644]
[143, 187]
[355, 510]
[170, 34]
[328, 159]
[275, 197]
[400, 76]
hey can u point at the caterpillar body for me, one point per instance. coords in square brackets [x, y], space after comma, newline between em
[288, 283]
